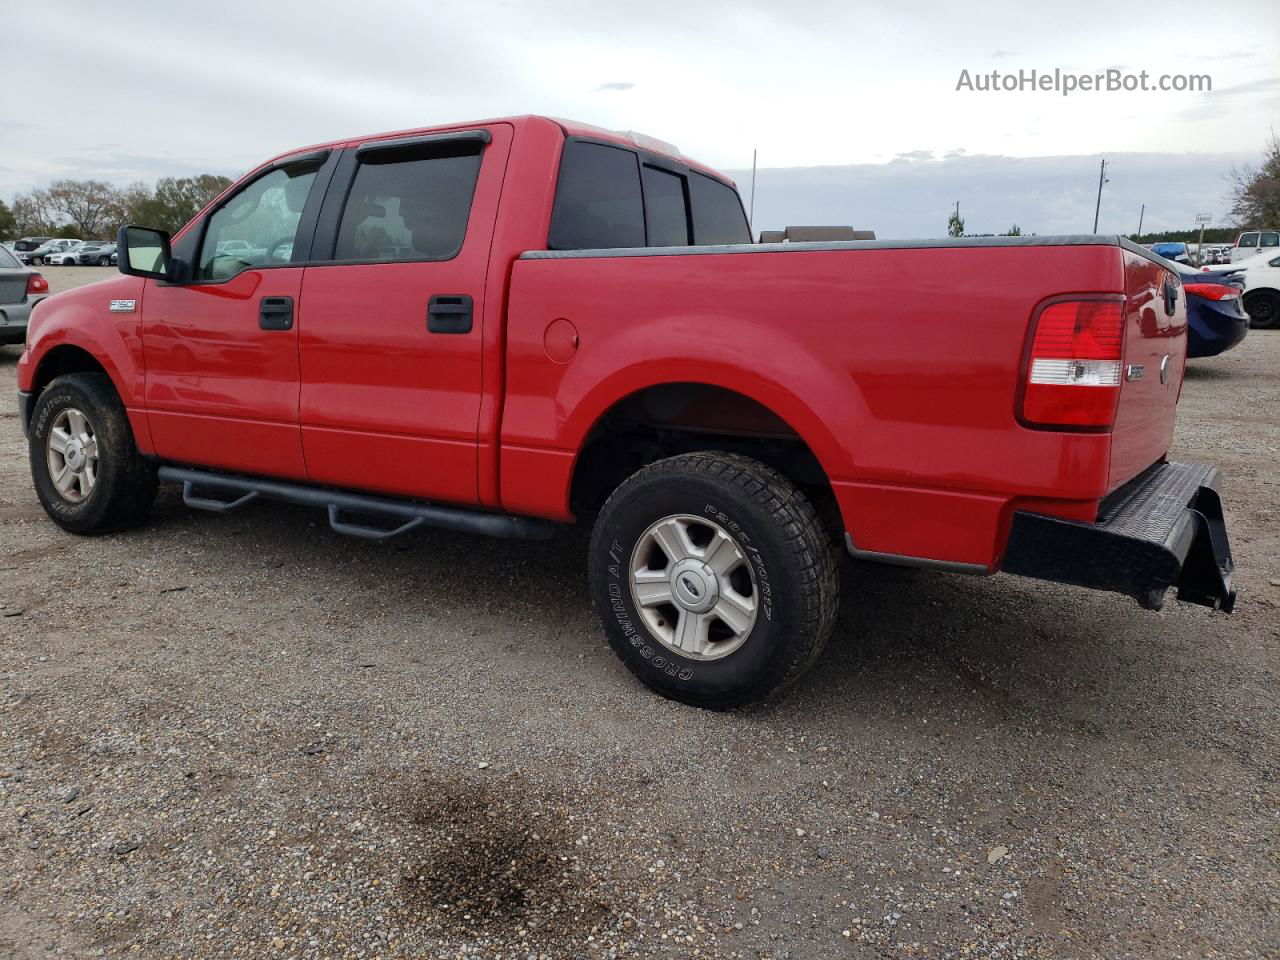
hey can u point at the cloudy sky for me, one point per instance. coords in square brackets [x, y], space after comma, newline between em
[853, 107]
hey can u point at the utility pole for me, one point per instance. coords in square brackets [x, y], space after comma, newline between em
[751, 214]
[1141, 213]
[1102, 175]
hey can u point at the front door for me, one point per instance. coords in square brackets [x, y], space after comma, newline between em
[391, 342]
[222, 350]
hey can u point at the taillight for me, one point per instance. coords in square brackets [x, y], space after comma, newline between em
[1212, 291]
[37, 284]
[1073, 372]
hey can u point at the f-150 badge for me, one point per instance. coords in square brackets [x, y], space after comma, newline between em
[122, 306]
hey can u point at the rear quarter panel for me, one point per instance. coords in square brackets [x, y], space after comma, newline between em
[899, 367]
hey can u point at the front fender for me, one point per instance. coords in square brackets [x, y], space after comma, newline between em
[82, 318]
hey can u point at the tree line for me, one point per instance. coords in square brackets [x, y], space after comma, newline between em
[95, 210]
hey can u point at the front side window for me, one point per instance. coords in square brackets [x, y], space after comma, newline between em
[258, 226]
[1248, 240]
[409, 206]
[598, 200]
[717, 212]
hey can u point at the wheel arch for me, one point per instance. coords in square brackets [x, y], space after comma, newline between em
[644, 424]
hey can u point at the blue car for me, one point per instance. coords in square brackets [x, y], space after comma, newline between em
[1216, 320]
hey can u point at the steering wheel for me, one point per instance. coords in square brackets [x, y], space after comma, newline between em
[271, 250]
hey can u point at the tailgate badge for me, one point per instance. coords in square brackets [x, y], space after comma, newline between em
[1164, 369]
[1134, 371]
[122, 306]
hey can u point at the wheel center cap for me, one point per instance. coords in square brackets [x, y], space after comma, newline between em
[74, 455]
[694, 586]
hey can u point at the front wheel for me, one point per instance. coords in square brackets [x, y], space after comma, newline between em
[714, 577]
[86, 469]
[1263, 308]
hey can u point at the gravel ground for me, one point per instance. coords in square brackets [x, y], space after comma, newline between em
[247, 736]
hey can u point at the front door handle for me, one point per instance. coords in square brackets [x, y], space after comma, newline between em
[449, 313]
[275, 313]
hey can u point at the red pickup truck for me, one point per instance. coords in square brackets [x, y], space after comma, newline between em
[504, 325]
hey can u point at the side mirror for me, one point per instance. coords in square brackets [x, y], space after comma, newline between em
[143, 252]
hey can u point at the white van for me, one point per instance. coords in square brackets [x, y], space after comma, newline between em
[1253, 242]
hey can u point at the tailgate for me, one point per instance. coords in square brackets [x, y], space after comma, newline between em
[1155, 350]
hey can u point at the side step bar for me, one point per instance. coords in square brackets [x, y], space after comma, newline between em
[349, 513]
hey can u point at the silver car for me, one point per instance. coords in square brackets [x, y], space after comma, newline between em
[21, 288]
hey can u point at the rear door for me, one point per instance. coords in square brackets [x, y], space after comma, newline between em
[222, 350]
[391, 342]
[1155, 352]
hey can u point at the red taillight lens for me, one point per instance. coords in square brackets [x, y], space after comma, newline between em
[37, 284]
[1073, 373]
[1212, 291]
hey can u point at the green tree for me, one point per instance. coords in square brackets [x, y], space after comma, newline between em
[955, 223]
[1255, 192]
[8, 222]
[176, 200]
[1014, 231]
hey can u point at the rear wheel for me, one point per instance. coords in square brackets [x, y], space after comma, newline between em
[104, 261]
[714, 578]
[86, 468]
[1263, 308]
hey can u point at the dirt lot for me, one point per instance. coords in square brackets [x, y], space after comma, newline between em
[250, 737]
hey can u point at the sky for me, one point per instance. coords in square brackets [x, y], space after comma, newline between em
[856, 103]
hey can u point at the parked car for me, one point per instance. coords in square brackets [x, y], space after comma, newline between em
[24, 248]
[97, 253]
[1250, 243]
[21, 288]
[47, 251]
[68, 256]
[1216, 320]
[1177, 252]
[582, 331]
[1262, 291]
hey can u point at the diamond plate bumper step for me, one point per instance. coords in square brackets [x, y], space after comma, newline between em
[1162, 529]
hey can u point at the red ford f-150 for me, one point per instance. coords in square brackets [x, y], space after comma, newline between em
[499, 326]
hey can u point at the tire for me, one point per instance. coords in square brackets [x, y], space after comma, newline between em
[784, 570]
[37, 261]
[104, 261]
[123, 484]
[1263, 308]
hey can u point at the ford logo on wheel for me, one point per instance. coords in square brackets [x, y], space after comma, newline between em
[691, 587]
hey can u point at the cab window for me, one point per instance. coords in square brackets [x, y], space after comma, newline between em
[598, 200]
[258, 226]
[718, 216]
[409, 204]
[1247, 240]
[1271, 239]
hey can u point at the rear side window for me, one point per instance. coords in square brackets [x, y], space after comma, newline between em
[666, 211]
[717, 212]
[1271, 239]
[7, 259]
[409, 206]
[598, 200]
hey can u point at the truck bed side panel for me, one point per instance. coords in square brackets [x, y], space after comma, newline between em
[898, 367]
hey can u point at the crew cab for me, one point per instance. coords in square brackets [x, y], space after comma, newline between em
[507, 325]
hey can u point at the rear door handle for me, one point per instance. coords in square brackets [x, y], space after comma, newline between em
[275, 313]
[449, 313]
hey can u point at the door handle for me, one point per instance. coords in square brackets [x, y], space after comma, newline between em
[449, 313]
[275, 313]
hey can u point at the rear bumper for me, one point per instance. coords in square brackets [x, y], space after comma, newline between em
[1162, 529]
